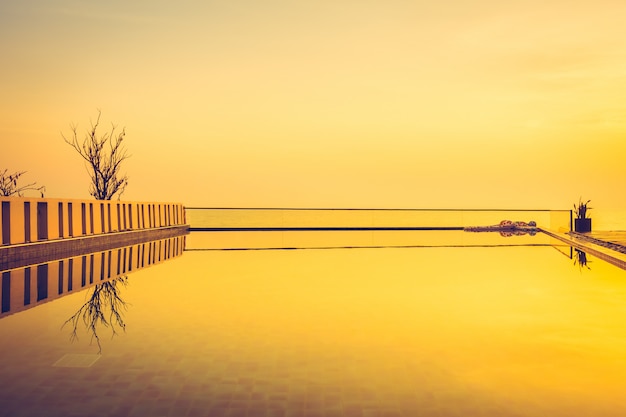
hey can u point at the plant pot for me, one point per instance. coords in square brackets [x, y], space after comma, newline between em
[582, 225]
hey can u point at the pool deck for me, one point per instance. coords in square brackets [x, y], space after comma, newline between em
[609, 246]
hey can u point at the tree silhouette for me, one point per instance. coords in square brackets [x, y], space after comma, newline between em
[104, 154]
[9, 184]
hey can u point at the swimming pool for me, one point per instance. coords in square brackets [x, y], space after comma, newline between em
[370, 324]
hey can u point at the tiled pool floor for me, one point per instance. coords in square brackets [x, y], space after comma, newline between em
[303, 383]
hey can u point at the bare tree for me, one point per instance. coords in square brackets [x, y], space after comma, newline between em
[104, 155]
[9, 184]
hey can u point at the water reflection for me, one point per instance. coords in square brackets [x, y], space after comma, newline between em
[104, 274]
[580, 259]
[435, 331]
[357, 239]
[104, 306]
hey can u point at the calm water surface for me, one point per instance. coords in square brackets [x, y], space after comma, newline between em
[380, 331]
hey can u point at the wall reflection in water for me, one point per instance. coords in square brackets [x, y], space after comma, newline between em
[28, 287]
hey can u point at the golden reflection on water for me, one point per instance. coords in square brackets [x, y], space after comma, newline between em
[446, 331]
[454, 329]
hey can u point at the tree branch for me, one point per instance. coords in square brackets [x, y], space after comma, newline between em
[102, 163]
[9, 184]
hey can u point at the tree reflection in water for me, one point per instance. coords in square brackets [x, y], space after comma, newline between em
[104, 306]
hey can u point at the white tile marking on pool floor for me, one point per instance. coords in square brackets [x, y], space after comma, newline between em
[77, 360]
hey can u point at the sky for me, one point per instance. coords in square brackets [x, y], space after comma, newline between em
[395, 103]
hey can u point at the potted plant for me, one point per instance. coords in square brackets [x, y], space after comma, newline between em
[582, 223]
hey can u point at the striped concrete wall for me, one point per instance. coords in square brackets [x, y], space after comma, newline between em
[26, 220]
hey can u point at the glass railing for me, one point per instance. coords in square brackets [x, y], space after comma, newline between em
[291, 218]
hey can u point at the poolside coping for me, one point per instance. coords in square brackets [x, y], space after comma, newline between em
[20, 255]
[609, 246]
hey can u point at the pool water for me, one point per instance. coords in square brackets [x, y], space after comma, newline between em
[476, 329]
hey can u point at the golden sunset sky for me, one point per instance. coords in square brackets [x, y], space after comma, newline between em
[460, 104]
